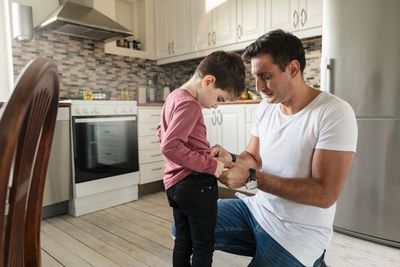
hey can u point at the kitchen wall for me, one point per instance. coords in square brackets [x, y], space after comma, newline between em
[83, 64]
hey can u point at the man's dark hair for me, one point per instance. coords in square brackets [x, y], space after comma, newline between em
[227, 68]
[282, 46]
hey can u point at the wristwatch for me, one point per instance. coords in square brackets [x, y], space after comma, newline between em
[252, 180]
[233, 157]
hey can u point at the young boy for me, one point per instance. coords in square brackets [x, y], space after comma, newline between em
[190, 168]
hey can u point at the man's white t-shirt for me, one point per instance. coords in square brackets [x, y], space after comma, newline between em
[287, 144]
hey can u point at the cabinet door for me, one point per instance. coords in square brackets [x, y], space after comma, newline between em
[284, 14]
[231, 134]
[310, 12]
[201, 26]
[251, 19]
[181, 27]
[162, 21]
[211, 125]
[224, 24]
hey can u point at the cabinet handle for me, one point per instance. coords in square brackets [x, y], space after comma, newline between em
[169, 48]
[156, 155]
[173, 47]
[213, 118]
[156, 169]
[214, 35]
[239, 31]
[220, 117]
[303, 15]
[154, 142]
[209, 39]
[155, 115]
[295, 18]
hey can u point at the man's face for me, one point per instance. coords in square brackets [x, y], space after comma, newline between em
[271, 81]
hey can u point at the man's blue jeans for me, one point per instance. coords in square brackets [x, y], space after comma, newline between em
[238, 232]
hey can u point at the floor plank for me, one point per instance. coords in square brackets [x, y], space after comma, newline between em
[138, 234]
[70, 244]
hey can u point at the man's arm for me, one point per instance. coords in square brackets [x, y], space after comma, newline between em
[329, 171]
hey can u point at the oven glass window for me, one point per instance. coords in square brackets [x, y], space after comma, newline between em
[104, 148]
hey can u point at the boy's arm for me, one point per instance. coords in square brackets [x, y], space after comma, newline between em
[175, 138]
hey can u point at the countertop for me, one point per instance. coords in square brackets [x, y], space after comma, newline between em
[67, 103]
[158, 104]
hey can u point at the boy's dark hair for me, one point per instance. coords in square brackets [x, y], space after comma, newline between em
[228, 70]
[283, 47]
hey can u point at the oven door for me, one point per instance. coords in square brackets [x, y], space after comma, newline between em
[104, 146]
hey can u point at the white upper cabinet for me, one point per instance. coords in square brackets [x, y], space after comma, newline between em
[137, 16]
[214, 28]
[297, 16]
[251, 19]
[172, 27]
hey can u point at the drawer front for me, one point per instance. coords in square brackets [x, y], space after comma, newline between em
[149, 115]
[150, 155]
[251, 112]
[151, 172]
[148, 142]
[147, 128]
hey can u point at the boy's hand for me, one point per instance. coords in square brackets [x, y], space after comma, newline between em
[235, 177]
[220, 153]
[220, 168]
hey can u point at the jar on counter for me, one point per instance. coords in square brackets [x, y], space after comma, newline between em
[151, 92]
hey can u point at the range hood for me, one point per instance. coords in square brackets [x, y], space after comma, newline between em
[83, 21]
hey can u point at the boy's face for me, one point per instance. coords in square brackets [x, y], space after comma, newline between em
[209, 96]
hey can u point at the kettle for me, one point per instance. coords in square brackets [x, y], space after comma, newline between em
[166, 92]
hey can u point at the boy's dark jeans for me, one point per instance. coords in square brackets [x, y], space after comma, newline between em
[194, 203]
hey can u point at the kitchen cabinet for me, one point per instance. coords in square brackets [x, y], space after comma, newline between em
[172, 27]
[214, 28]
[250, 115]
[226, 126]
[151, 162]
[252, 19]
[230, 126]
[57, 189]
[137, 16]
[302, 17]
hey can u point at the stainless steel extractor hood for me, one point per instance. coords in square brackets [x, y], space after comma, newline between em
[83, 21]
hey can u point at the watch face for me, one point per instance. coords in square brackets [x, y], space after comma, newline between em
[251, 185]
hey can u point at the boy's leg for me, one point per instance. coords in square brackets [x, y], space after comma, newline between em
[183, 243]
[197, 197]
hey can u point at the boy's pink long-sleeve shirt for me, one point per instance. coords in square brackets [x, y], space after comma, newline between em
[183, 136]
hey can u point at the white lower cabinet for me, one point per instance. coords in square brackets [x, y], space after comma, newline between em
[225, 126]
[230, 126]
[151, 163]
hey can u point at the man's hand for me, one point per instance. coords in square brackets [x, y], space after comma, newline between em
[222, 154]
[220, 168]
[236, 176]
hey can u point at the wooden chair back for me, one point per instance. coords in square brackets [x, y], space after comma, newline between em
[27, 124]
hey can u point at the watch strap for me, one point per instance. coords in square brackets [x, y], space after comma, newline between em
[233, 157]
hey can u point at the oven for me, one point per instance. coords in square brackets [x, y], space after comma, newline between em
[104, 152]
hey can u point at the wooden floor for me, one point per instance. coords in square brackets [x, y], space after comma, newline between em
[138, 234]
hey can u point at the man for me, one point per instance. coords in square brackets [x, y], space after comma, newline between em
[301, 150]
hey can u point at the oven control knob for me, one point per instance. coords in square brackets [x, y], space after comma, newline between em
[85, 111]
[96, 111]
[116, 111]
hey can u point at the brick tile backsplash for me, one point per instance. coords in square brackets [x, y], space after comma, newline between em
[82, 64]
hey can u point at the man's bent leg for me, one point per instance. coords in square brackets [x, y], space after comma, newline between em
[233, 233]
